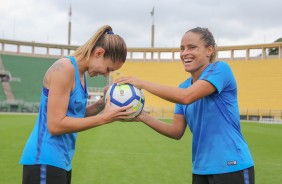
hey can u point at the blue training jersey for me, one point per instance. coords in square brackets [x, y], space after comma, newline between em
[218, 145]
[57, 150]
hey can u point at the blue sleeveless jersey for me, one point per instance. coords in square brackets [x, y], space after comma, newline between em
[58, 150]
[218, 144]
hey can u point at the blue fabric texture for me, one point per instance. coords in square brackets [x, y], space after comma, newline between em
[58, 150]
[218, 145]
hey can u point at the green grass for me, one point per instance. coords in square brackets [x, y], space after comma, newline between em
[121, 153]
[265, 143]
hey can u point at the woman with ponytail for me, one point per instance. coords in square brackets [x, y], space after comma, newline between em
[48, 153]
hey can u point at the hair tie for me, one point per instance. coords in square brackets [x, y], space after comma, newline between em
[110, 32]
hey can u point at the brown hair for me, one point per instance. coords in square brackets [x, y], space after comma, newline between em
[208, 38]
[114, 46]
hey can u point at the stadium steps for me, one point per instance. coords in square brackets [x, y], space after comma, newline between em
[259, 89]
[8, 91]
[1, 65]
[259, 82]
[30, 71]
[6, 86]
[167, 73]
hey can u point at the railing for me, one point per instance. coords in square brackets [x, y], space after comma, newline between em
[19, 106]
[258, 51]
[258, 115]
[261, 114]
[247, 52]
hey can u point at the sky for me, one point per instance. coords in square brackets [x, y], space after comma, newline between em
[232, 22]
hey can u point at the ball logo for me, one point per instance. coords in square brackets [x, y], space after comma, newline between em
[126, 94]
[121, 92]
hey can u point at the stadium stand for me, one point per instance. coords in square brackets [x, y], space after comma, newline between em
[170, 73]
[258, 84]
[258, 76]
[27, 90]
[2, 96]
[30, 70]
[259, 89]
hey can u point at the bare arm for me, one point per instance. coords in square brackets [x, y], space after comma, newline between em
[199, 89]
[97, 107]
[174, 130]
[60, 86]
[57, 125]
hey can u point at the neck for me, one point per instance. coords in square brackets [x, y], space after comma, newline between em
[197, 74]
[82, 66]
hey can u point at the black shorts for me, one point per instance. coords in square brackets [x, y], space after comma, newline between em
[246, 176]
[45, 174]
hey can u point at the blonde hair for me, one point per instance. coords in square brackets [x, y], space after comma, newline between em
[114, 46]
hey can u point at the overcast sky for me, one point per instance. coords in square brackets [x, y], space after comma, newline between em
[233, 22]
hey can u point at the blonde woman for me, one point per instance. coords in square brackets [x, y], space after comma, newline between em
[47, 156]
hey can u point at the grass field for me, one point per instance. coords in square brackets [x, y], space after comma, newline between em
[132, 153]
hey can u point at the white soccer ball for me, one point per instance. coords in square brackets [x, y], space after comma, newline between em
[125, 94]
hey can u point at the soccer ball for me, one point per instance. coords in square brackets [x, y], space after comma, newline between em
[125, 94]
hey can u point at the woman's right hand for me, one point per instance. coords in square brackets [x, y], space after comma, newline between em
[116, 113]
[130, 80]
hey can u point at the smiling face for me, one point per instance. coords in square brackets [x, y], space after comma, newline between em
[194, 54]
[99, 65]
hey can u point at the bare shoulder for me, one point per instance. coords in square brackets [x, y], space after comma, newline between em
[62, 67]
[62, 64]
